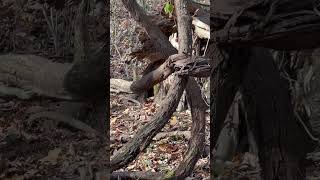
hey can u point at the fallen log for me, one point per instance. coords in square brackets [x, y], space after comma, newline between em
[145, 135]
[120, 85]
[26, 76]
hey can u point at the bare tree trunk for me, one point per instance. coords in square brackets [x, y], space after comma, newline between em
[197, 104]
[282, 142]
[87, 79]
[224, 84]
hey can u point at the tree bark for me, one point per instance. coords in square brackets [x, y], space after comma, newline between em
[282, 142]
[196, 142]
[145, 135]
[197, 104]
[195, 66]
[154, 32]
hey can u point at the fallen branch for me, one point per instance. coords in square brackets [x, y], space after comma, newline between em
[65, 119]
[196, 8]
[15, 92]
[145, 135]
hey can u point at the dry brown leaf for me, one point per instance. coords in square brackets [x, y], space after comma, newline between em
[52, 156]
[169, 148]
[174, 121]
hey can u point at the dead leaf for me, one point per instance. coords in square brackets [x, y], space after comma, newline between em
[169, 148]
[52, 156]
[130, 167]
[173, 121]
[113, 120]
[126, 111]
[71, 150]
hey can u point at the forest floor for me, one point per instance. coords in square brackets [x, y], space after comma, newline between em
[42, 148]
[168, 147]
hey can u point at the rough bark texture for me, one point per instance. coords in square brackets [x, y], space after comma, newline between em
[196, 142]
[154, 77]
[285, 25]
[281, 141]
[225, 83]
[144, 136]
[154, 32]
[193, 66]
[198, 106]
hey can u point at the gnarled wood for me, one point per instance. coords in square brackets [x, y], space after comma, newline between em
[154, 32]
[144, 136]
[193, 66]
[198, 106]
